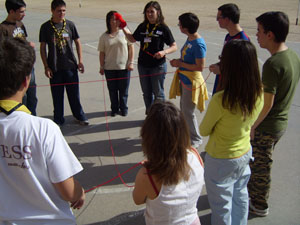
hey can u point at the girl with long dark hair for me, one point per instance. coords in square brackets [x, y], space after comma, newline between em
[171, 180]
[228, 120]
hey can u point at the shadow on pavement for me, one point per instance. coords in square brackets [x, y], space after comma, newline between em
[93, 176]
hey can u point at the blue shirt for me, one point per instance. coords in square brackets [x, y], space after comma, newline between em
[192, 50]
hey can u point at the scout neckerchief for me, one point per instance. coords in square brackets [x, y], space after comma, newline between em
[146, 44]
[9, 106]
[60, 41]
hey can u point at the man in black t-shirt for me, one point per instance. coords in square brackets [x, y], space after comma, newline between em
[60, 63]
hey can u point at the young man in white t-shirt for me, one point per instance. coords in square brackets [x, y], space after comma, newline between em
[36, 164]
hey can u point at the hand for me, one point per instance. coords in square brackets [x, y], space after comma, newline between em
[101, 71]
[79, 203]
[81, 67]
[32, 44]
[175, 62]
[159, 55]
[48, 72]
[143, 161]
[130, 66]
[119, 17]
[214, 68]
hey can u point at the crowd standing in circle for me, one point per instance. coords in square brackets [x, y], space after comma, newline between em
[243, 107]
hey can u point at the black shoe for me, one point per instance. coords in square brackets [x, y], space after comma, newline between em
[113, 114]
[124, 113]
[60, 124]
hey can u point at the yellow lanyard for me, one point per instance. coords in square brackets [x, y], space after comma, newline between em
[60, 41]
[146, 44]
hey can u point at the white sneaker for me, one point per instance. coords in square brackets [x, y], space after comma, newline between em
[83, 122]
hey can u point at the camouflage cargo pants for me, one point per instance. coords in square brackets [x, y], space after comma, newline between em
[260, 180]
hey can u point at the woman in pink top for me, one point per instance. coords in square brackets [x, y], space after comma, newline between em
[171, 180]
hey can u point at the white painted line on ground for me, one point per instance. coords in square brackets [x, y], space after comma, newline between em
[207, 42]
[91, 46]
[111, 190]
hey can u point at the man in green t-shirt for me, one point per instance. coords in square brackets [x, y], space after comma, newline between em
[280, 76]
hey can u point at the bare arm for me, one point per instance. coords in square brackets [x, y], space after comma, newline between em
[102, 60]
[71, 191]
[43, 53]
[139, 194]
[130, 57]
[79, 54]
[268, 104]
[128, 35]
[172, 48]
[199, 66]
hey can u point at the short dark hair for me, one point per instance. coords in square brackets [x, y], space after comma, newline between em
[230, 11]
[14, 5]
[16, 61]
[156, 5]
[165, 141]
[57, 3]
[109, 15]
[241, 80]
[276, 22]
[189, 21]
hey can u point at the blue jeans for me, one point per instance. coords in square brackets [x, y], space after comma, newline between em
[118, 89]
[226, 184]
[152, 83]
[57, 91]
[30, 99]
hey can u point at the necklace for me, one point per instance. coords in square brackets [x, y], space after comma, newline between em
[146, 44]
[60, 41]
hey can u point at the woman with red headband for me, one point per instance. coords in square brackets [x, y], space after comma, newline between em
[116, 62]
